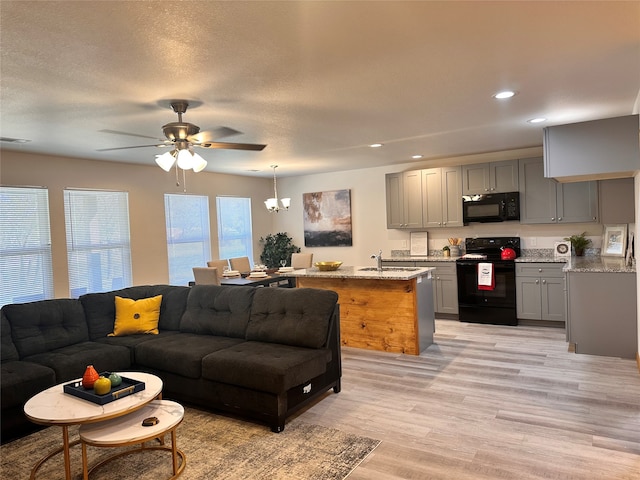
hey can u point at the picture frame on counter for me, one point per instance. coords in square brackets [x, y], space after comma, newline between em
[614, 241]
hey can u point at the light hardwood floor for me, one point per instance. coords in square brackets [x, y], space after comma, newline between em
[489, 402]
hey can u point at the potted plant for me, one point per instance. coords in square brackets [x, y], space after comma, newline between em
[446, 250]
[277, 247]
[579, 243]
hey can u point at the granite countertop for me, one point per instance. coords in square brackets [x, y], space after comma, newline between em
[430, 258]
[591, 264]
[356, 272]
[549, 259]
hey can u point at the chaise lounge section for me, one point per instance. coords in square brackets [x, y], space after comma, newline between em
[261, 353]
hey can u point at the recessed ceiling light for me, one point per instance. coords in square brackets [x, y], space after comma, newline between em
[504, 94]
[375, 145]
[537, 120]
[416, 156]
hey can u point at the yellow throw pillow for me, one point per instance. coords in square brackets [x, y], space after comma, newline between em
[137, 316]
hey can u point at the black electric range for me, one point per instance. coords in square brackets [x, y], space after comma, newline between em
[496, 304]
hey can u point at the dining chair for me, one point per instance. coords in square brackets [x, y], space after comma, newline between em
[240, 264]
[219, 264]
[206, 276]
[301, 260]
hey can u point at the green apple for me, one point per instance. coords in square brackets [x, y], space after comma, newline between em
[102, 386]
[115, 379]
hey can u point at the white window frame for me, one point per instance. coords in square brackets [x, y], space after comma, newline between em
[98, 240]
[188, 235]
[26, 272]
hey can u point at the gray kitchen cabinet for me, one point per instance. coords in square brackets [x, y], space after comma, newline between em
[544, 200]
[593, 150]
[616, 199]
[442, 197]
[404, 199]
[602, 313]
[494, 177]
[445, 286]
[540, 291]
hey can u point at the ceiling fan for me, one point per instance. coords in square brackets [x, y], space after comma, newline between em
[184, 135]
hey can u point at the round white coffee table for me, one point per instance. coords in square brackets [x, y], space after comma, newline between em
[55, 407]
[129, 430]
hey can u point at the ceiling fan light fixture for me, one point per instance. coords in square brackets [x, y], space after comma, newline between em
[199, 163]
[185, 159]
[166, 160]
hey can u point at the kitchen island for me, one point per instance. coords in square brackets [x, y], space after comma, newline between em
[389, 310]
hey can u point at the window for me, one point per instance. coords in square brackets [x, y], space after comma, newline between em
[26, 273]
[98, 245]
[188, 235]
[234, 227]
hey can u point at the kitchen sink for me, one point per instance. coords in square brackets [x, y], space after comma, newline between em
[390, 269]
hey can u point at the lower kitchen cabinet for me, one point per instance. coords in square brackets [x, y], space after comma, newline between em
[445, 286]
[602, 313]
[540, 292]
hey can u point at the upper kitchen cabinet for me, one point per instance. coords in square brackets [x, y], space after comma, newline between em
[617, 201]
[544, 200]
[404, 199]
[442, 197]
[494, 177]
[595, 150]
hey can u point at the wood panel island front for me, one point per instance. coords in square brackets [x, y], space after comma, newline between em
[389, 310]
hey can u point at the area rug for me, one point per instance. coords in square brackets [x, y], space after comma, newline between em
[216, 447]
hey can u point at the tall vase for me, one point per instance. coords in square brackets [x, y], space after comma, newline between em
[89, 377]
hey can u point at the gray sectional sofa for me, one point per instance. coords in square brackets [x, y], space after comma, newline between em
[260, 353]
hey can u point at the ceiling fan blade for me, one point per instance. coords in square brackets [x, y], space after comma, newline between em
[232, 146]
[211, 135]
[118, 132]
[136, 146]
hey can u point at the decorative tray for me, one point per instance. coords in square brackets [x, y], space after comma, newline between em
[127, 387]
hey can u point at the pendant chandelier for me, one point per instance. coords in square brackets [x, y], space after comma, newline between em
[272, 203]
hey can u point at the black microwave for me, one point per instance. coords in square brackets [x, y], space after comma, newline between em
[493, 207]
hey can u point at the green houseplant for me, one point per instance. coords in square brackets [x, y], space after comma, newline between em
[579, 242]
[277, 247]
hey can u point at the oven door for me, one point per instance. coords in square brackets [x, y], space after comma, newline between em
[497, 306]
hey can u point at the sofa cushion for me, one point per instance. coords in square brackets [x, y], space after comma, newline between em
[266, 367]
[181, 354]
[39, 327]
[292, 316]
[130, 341]
[70, 362]
[136, 316]
[22, 380]
[7, 348]
[100, 308]
[218, 310]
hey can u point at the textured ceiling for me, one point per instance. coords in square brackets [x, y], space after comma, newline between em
[316, 81]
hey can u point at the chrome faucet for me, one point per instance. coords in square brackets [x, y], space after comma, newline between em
[378, 258]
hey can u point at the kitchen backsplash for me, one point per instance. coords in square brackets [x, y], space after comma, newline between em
[525, 252]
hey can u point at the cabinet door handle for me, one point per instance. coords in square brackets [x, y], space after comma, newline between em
[537, 282]
[492, 189]
[559, 219]
[544, 282]
[553, 219]
[540, 270]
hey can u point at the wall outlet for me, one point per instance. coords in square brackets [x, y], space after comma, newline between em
[404, 244]
[533, 241]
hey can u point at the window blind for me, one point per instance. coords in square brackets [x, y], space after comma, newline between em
[26, 272]
[188, 235]
[235, 237]
[98, 242]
